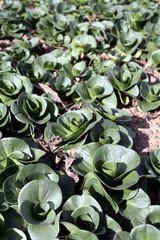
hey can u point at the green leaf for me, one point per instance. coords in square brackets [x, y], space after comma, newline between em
[144, 232]
[37, 197]
[83, 158]
[46, 232]
[133, 206]
[13, 233]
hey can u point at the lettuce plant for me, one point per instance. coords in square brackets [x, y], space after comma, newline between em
[114, 114]
[83, 44]
[150, 96]
[109, 169]
[152, 164]
[25, 175]
[47, 61]
[84, 212]
[34, 109]
[139, 18]
[17, 151]
[153, 59]
[15, 28]
[21, 54]
[38, 201]
[125, 80]
[76, 71]
[128, 42]
[45, 28]
[97, 89]
[34, 72]
[74, 126]
[65, 8]
[11, 85]
[107, 131]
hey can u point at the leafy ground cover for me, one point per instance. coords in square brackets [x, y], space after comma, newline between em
[79, 120]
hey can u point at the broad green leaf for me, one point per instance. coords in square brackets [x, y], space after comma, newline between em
[84, 157]
[144, 232]
[133, 206]
[37, 201]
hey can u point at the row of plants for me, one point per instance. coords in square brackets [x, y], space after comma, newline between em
[73, 97]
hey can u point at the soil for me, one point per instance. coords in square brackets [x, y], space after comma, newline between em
[147, 129]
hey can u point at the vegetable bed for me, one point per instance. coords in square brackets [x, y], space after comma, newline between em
[79, 120]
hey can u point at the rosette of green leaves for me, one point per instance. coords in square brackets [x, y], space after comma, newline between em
[118, 28]
[47, 61]
[31, 43]
[15, 6]
[61, 22]
[125, 81]
[38, 201]
[108, 11]
[109, 172]
[152, 27]
[34, 72]
[64, 85]
[34, 109]
[35, 13]
[23, 176]
[83, 212]
[65, 8]
[97, 89]
[73, 126]
[154, 59]
[136, 69]
[117, 56]
[114, 114]
[15, 28]
[83, 44]
[108, 132]
[150, 96]
[100, 66]
[115, 165]
[68, 76]
[128, 42]
[11, 85]
[152, 164]
[45, 28]
[5, 116]
[139, 18]
[21, 54]
[76, 71]
[16, 150]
